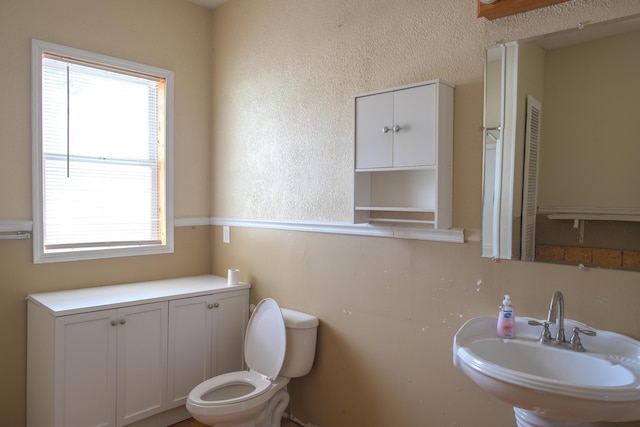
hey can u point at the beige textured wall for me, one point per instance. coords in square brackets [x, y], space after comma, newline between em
[165, 33]
[576, 118]
[170, 34]
[389, 309]
[283, 77]
[284, 73]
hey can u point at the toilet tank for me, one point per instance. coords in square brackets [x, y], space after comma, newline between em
[301, 331]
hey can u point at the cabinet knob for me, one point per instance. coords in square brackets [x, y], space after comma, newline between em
[123, 321]
[385, 129]
[114, 323]
[214, 305]
[396, 128]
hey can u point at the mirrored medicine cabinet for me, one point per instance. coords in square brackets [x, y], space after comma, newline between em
[561, 147]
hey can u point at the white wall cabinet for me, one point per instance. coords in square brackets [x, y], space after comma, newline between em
[129, 354]
[404, 155]
[396, 129]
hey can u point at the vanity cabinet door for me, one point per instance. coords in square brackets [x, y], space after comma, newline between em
[111, 366]
[206, 336]
[229, 326]
[190, 326]
[86, 370]
[142, 361]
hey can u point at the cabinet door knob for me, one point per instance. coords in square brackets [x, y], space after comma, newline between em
[123, 321]
[385, 129]
[114, 323]
[396, 128]
[214, 305]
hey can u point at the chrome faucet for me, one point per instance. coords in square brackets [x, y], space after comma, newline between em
[556, 315]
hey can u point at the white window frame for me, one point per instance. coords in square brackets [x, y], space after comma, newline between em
[40, 255]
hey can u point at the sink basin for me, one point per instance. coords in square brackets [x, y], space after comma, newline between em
[558, 365]
[553, 386]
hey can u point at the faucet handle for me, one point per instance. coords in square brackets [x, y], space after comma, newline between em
[575, 342]
[577, 331]
[545, 335]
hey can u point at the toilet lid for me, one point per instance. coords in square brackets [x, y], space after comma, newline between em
[265, 341]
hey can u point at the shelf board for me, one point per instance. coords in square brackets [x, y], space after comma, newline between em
[393, 209]
[404, 221]
[595, 217]
[402, 169]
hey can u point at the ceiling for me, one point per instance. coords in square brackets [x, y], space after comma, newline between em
[211, 4]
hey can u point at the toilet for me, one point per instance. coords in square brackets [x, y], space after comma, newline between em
[279, 344]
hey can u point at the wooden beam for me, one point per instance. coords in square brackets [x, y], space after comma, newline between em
[502, 8]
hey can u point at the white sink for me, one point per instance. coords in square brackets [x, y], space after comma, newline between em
[551, 386]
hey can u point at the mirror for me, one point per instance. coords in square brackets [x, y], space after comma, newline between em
[561, 169]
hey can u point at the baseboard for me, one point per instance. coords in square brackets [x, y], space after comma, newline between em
[164, 419]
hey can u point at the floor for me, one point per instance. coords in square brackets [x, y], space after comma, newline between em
[193, 423]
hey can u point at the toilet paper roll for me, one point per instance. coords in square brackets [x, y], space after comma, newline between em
[234, 277]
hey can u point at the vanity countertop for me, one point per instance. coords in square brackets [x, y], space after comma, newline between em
[62, 303]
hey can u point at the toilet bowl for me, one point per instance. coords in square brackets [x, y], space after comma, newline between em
[279, 344]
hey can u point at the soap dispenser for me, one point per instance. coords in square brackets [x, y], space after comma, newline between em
[506, 319]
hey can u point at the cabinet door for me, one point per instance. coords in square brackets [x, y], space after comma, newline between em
[86, 370]
[206, 336]
[374, 146]
[230, 322]
[190, 334]
[414, 144]
[142, 361]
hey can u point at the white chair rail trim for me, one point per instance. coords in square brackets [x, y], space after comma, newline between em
[454, 235]
[15, 225]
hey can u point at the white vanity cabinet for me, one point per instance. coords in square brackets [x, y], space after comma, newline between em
[103, 356]
[404, 155]
[111, 359]
[206, 335]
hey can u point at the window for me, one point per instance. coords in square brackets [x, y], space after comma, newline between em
[102, 141]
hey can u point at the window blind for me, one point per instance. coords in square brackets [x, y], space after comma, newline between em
[102, 156]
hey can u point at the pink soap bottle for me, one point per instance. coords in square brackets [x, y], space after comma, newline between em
[506, 319]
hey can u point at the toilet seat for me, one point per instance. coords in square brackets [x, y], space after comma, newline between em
[264, 350]
[220, 390]
[249, 403]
